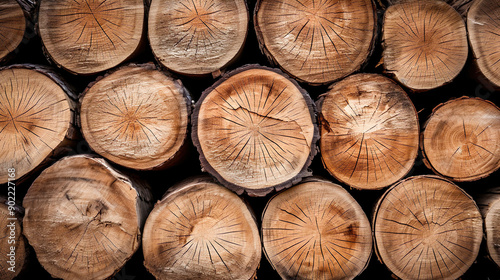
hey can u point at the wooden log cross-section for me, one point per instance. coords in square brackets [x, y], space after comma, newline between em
[426, 227]
[489, 204]
[369, 131]
[137, 117]
[316, 230]
[255, 130]
[201, 230]
[84, 219]
[13, 24]
[316, 41]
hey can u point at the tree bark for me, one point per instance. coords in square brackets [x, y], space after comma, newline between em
[489, 204]
[426, 227]
[316, 230]
[460, 139]
[316, 42]
[197, 37]
[16, 26]
[425, 43]
[255, 130]
[369, 131]
[87, 37]
[136, 116]
[201, 230]
[84, 218]
[36, 118]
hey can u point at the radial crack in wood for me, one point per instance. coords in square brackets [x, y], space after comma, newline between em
[369, 131]
[201, 230]
[316, 41]
[12, 27]
[426, 227]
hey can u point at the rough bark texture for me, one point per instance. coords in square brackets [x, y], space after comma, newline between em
[255, 130]
[426, 227]
[201, 230]
[460, 139]
[36, 117]
[369, 131]
[316, 230]
[316, 41]
[137, 117]
[84, 219]
[197, 37]
[489, 204]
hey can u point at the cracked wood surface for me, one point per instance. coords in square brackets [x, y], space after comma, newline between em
[201, 230]
[426, 227]
[84, 219]
[489, 204]
[12, 26]
[369, 131]
[316, 230]
[255, 130]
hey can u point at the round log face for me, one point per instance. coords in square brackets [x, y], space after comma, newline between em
[425, 43]
[369, 131]
[34, 119]
[316, 230]
[136, 117]
[201, 231]
[7, 231]
[492, 228]
[89, 36]
[316, 41]
[426, 228]
[81, 219]
[483, 24]
[197, 37]
[255, 130]
[12, 26]
[460, 139]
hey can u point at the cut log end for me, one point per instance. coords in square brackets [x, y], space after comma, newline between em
[460, 139]
[201, 230]
[84, 219]
[427, 228]
[492, 228]
[255, 130]
[369, 131]
[316, 41]
[136, 117]
[197, 37]
[425, 43]
[316, 230]
[87, 37]
[12, 27]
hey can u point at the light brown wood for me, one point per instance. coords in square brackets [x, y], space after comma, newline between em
[201, 230]
[316, 230]
[136, 116]
[461, 6]
[197, 37]
[425, 43]
[12, 27]
[90, 36]
[489, 204]
[36, 117]
[460, 139]
[426, 227]
[369, 131]
[316, 41]
[84, 218]
[255, 130]
[483, 24]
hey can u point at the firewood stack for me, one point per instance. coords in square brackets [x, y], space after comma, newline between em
[259, 139]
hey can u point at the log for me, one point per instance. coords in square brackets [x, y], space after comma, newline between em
[87, 37]
[201, 230]
[316, 230]
[483, 25]
[460, 139]
[426, 227]
[84, 218]
[489, 204]
[316, 42]
[15, 24]
[461, 6]
[425, 43]
[36, 118]
[197, 37]
[14, 250]
[369, 131]
[136, 116]
[255, 130]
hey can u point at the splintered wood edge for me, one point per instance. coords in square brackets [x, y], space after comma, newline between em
[304, 172]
